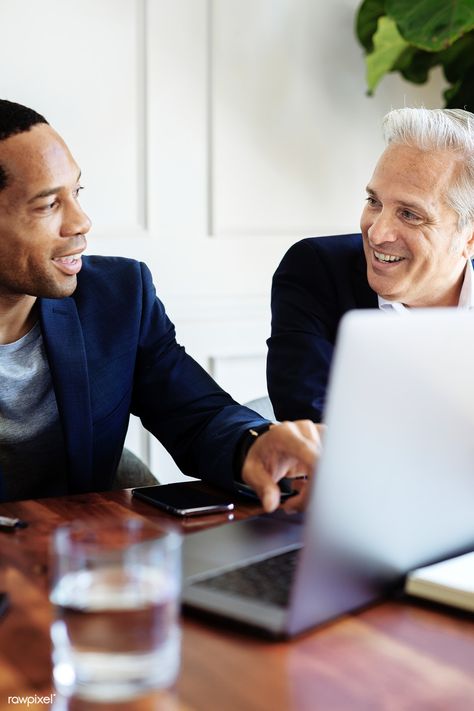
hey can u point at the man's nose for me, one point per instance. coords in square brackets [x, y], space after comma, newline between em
[75, 221]
[382, 229]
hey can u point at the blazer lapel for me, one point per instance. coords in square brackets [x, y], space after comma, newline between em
[64, 342]
[365, 296]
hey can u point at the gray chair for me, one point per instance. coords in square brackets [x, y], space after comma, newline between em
[263, 407]
[132, 472]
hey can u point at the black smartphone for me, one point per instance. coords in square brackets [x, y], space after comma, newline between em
[284, 484]
[183, 500]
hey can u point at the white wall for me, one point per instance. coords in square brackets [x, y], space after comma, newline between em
[212, 134]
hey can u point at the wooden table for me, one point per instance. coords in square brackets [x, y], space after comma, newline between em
[395, 656]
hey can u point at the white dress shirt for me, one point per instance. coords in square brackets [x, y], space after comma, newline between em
[466, 297]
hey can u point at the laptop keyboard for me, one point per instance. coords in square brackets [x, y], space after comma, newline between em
[266, 580]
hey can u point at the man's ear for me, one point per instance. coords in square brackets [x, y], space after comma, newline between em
[468, 250]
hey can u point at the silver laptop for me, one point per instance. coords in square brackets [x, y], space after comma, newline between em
[394, 489]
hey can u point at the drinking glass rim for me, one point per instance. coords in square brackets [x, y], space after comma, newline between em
[61, 537]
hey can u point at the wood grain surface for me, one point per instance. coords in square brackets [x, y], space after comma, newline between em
[399, 655]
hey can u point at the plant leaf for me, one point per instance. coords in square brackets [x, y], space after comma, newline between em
[366, 21]
[461, 95]
[414, 64]
[458, 60]
[432, 25]
[388, 46]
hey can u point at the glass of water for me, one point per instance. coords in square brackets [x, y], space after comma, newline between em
[116, 588]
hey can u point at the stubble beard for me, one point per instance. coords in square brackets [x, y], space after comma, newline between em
[41, 285]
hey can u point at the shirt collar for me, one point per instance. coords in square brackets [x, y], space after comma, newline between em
[466, 297]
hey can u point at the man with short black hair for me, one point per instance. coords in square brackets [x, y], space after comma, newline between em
[84, 342]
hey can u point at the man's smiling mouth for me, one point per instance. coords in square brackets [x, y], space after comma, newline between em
[69, 259]
[69, 264]
[381, 257]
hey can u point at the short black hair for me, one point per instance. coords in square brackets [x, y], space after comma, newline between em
[15, 118]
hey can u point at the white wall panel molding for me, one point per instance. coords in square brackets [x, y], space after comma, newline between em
[225, 308]
[294, 138]
[226, 331]
[142, 75]
[84, 66]
[177, 41]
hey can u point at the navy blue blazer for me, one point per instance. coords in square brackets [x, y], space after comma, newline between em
[318, 280]
[112, 351]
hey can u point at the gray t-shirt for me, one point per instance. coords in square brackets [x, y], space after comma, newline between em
[32, 451]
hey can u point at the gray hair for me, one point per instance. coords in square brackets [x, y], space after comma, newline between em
[440, 129]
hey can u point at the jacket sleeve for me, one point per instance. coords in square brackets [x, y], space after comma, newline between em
[304, 324]
[198, 423]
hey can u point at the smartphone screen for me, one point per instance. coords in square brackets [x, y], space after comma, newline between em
[183, 500]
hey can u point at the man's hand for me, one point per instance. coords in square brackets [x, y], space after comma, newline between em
[288, 449]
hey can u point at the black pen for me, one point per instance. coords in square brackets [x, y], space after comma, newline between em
[9, 524]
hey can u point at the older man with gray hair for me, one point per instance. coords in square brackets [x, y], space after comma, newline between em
[414, 250]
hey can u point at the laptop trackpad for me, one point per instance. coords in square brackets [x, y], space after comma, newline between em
[238, 543]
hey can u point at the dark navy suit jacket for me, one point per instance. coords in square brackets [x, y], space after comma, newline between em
[112, 351]
[318, 280]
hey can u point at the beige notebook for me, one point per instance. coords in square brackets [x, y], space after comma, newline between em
[451, 582]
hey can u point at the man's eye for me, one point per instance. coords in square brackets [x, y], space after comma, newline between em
[49, 206]
[78, 190]
[408, 215]
[371, 201]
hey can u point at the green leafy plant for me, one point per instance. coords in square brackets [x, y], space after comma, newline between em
[412, 36]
